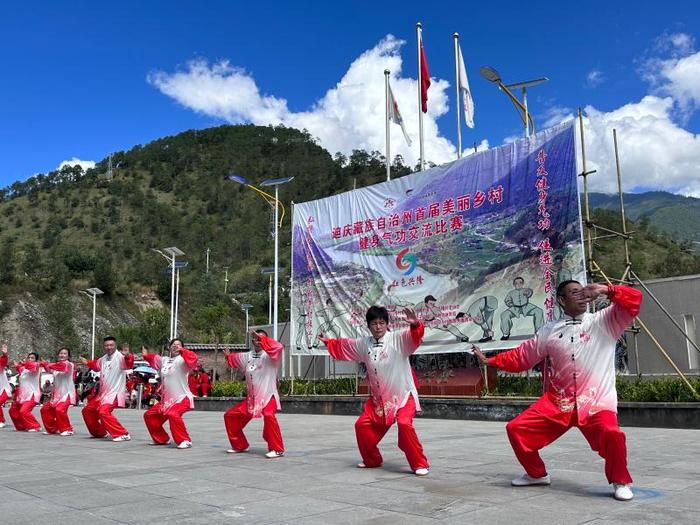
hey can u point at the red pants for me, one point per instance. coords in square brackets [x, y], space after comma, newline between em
[238, 417]
[371, 428]
[55, 417]
[155, 419]
[542, 423]
[3, 397]
[99, 419]
[22, 417]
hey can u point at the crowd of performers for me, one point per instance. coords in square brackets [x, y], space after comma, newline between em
[577, 352]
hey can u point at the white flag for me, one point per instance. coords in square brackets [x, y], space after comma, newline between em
[395, 115]
[466, 93]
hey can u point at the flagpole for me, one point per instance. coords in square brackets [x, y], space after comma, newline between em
[455, 36]
[388, 134]
[419, 35]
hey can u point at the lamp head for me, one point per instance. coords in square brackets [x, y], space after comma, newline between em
[490, 74]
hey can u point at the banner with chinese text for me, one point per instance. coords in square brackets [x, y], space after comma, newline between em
[476, 247]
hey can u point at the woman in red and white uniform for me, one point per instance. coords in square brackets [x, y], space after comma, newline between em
[176, 397]
[54, 413]
[112, 391]
[263, 400]
[27, 394]
[5, 387]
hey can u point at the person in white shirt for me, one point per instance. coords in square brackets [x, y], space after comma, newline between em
[54, 413]
[112, 391]
[176, 397]
[5, 387]
[262, 399]
[394, 396]
[27, 395]
[578, 355]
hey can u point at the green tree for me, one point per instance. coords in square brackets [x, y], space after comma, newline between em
[7, 261]
[130, 334]
[154, 328]
[214, 321]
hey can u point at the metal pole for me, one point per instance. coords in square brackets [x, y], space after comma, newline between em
[628, 264]
[419, 29]
[587, 209]
[94, 313]
[387, 111]
[208, 250]
[527, 122]
[172, 299]
[177, 300]
[455, 37]
[226, 280]
[269, 301]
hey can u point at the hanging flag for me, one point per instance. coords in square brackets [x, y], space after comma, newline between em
[424, 79]
[395, 115]
[466, 93]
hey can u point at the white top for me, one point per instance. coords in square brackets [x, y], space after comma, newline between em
[112, 377]
[4, 383]
[173, 376]
[63, 382]
[388, 369]
[29, 382]
[260, 374]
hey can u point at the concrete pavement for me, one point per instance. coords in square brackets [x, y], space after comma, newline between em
[79, 480]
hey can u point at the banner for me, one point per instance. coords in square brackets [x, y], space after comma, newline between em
[476, 247]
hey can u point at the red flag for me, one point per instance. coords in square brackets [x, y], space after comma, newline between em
[424, 79]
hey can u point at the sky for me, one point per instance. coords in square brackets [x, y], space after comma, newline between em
[82, 79]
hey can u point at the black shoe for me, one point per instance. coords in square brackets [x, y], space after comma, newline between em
[464, 339]
[486, 339]
[505, 337]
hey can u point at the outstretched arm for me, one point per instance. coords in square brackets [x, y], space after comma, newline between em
[270, 346]
[413, 337]
[234, 359]
[341, 349]
[190, 358]
[626, 303]
[519, 359]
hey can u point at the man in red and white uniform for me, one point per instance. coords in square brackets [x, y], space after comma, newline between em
[578, 351]
[54, 413]
[176, 397]
[394, 396]
[204, 383]
[112, 391]
[5, 387]
[193, 382]
[27, 394]
[263, 400]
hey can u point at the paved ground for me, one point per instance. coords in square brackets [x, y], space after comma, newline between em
[49, 479]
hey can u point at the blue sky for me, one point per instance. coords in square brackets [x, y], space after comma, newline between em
[76, 80]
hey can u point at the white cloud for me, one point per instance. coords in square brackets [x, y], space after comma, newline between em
[349, 116]
[594, 78]
[85, 164]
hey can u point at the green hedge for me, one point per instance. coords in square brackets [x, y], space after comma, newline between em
[628, 388]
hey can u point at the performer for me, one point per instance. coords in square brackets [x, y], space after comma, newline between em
[176, 397]
[5, 387]
[111, 391]
[54, 413]
[579, 376]
[518, 303]
[27, 394]
[193, 381]
[394, 394]
[260, 367]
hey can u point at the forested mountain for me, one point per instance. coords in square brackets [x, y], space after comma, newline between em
[64, 231]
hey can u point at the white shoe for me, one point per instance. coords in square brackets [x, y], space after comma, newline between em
[2, 425]
[66, 433]
[46, 433]
[33, 430]
[623, 492]
[274, 454]
[361, 465]
[185, 444]
[525, 480]
[422, 471]
[233, 451]
[125, 437]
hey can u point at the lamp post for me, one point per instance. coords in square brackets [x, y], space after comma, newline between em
[269, 272]
[225, 279]
[494, 76]
[178, 265]
[93, 292]
[246, 307]
[170, 254]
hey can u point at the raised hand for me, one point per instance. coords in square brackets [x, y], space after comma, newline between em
[125, 349]
[226, 350]
[590, 293]
[254, 336]
[144, 352]
[411, 316]
[480, 355]
[83, 360]
[3, 349]
[322, 337]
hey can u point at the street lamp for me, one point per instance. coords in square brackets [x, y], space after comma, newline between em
[93, 292]
[246, 307]
[269, 272]
[170, 254]
[178, 265]
[492, 75]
